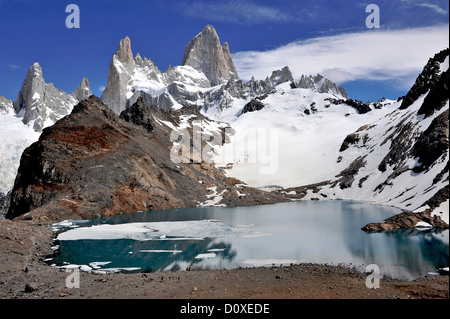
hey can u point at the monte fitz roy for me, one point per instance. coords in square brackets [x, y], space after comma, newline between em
[72, 156]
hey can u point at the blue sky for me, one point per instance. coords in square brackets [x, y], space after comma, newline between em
[310, 36]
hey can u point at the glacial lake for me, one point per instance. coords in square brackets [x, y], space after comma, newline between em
[323, 232]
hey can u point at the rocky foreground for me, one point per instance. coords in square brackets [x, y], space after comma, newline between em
[23, 275]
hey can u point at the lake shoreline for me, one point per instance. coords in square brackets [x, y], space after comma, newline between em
[23, 275]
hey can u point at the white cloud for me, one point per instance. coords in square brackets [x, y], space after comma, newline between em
[14, 66]
[101, 88]
[240, 12]
[371, 55]
[433, 7]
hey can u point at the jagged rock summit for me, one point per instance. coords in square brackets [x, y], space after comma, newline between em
[320, 84]
[120, 72]
[130, 78]
[124, 53]
[6, 105]
[41, 102]
[83, 91]
[205, 54]
[206, 79]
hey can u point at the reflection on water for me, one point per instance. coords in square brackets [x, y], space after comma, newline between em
[299, 232]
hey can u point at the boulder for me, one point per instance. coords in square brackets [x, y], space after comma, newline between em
[406, 220]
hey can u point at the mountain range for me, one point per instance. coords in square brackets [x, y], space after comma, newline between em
[81, 155]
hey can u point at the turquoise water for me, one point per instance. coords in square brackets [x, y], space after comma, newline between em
[230, 237]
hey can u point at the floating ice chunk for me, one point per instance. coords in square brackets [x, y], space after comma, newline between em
[108, 270]
[85, 268]
[174, 251]
[69, 266]
[206, 255]
[151, 230]
[98, 264]
[423, 225]
[254, 235]
[68, 223]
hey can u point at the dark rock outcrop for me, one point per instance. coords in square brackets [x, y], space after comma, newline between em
[252, 106]
[94, 163]
[432, 143]
[140, 115]
[360, 106]
[347, 176]
[406, 220]
[437, 97]
[352, 138]
[426, 80]
[401, 141]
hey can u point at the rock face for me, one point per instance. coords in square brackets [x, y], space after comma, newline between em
[4, 203]
[5, 105]
[132, 78]
[83, 91]
[427, 79]
[321, 85]
[252, 106]
[205, 54]
[41, 102]
[94, 163]
[406, 220]
[360, 106]
[432, 143]
[415, 146]
[120, 72]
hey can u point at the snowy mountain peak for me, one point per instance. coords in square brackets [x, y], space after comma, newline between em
[40, 103]
[36, 69]
[33, 83]
[5, 105]
[321, 84]
[83, 91]
[281, 76]
[205, 54]
[206, 79]
[124, 53]
[120, 72]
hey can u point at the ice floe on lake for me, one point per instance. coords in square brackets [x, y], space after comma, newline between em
[193, 229]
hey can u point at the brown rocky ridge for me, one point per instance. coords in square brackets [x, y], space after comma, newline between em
[95, 163]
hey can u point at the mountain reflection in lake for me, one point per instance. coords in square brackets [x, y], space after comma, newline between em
[230, 237]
